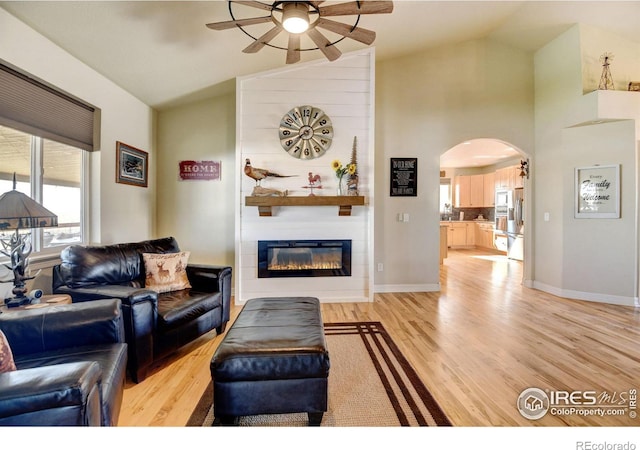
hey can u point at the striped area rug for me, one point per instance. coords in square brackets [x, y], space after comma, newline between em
[371, 384]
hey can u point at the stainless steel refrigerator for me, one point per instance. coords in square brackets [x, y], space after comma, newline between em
[515, 225]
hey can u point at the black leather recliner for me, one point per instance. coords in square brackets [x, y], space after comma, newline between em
[71, 362]
[155, 324]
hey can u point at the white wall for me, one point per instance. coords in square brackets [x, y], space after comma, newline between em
[343, 89]
[558, 82]
[119, 213]
[591, 259]
[599, 254]
[199, 214]
[426, 103]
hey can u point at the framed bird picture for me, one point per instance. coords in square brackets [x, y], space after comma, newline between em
[132, 165]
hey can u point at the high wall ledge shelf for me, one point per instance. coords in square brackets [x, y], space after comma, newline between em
[344, 203]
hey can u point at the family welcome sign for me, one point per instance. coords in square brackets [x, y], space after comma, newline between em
[598, 192]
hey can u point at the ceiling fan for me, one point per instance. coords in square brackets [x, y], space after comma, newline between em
[306, 18]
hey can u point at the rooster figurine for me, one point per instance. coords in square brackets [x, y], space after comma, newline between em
[260, 174]
[313, 179]
[315, 182]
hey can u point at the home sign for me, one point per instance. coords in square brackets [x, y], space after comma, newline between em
[199, 170]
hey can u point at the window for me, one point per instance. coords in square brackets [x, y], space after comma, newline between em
[46, 135]
[52, 174]
[445, 196]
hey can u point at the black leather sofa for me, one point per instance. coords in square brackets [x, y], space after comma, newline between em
[155, 324]
[71, 362]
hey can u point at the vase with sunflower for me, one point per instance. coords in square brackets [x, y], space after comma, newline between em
[341, 171]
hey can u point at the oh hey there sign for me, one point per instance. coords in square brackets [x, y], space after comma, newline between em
[598, 192]
[199, 170]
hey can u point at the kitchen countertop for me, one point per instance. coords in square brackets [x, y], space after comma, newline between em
[466, 221]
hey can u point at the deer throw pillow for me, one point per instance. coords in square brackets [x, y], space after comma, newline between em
[6, 357]
[166, 272]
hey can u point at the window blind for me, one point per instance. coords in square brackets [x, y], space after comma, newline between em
[33, 107]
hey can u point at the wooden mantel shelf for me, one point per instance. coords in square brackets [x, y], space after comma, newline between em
[344, 203]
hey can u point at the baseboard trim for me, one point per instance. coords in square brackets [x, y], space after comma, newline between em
[388, 288]
[345, 300]
[587, 296]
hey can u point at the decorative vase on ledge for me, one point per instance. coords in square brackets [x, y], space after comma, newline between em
[341, 187]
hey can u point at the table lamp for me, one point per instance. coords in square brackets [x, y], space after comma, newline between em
[18, 210]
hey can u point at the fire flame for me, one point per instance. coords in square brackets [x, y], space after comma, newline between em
[304, 259]
[329, 265]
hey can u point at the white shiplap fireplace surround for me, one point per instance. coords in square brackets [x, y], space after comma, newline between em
[344, 90]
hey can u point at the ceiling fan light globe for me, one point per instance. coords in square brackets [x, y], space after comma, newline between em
[295, 25]
[295, 17]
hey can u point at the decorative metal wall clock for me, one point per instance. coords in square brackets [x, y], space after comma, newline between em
[306, 132]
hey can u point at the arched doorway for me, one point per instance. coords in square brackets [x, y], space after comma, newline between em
[472, 172]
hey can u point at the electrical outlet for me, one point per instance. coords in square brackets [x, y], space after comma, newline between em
[380, 267]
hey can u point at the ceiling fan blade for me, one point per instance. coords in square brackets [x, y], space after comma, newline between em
[362, 7]
[259, 5]
[316, 4]
[263, 40]
[234, 23]
[293, 50]
[330, 51]
[359, 34]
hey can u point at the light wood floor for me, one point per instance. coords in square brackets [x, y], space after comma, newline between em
[476, 345]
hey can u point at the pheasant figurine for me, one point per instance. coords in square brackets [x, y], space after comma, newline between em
[260, 174]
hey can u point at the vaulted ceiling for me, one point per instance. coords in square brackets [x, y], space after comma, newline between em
[162, 52]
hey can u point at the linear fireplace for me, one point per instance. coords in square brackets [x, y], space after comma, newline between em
[308, 258]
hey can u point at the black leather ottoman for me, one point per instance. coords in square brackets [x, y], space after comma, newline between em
[273, 360]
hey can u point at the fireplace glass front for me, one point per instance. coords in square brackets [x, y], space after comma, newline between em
[308, 258]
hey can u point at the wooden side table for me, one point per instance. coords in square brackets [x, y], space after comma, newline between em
[45, 301]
